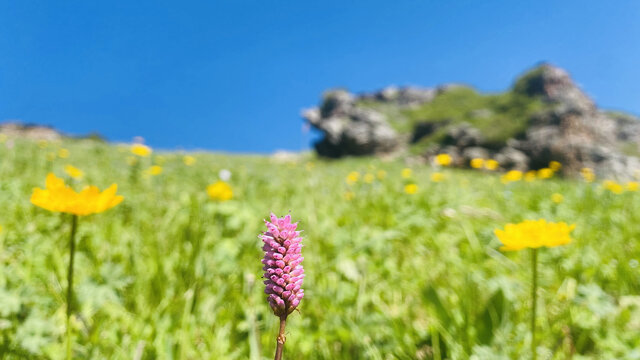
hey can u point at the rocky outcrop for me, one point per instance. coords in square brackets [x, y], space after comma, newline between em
[349, 129]
[15, 129]
[568, 127]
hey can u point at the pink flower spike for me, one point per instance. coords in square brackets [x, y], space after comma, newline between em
[283, 271]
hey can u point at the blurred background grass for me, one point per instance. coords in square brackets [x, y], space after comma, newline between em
[172, 274]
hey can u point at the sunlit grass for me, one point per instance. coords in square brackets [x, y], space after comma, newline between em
[391, 274]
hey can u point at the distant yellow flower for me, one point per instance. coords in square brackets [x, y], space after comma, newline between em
[437, 177]
[220, 191]
[491, 164]
[545, 173]
[63, 153]
[42, 144]
[411, 189]
[477, 163]
[155, 170]
[3, 138]
[406, 173]
[443, 159]
[587, 174]
[189, 160]
[555, 165]
[353, 177]
[309, 165]
[368, 178]
[511, 176]
[141, 150]
[632, 186]
[349, 195]
[51, 156]
[132, 160]
[530, 175]
[59, 197]
[557, 198]
[613, 186]
[534, 234]
[381, 174]
[74, 172]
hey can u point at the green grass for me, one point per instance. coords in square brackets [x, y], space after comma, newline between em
[169, 274]
[507, 114]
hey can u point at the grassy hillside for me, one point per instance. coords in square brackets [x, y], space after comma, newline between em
[172, 274]
[497, 116]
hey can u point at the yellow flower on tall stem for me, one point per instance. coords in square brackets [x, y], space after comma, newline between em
[58, 197]
[534, 234]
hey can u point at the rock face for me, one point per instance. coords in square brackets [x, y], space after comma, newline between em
[573, 131]
[568, 127]
[350, 130]
[33, 132]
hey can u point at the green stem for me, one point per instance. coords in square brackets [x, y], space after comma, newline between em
[281, 338]
[534, 298]
[72, 252]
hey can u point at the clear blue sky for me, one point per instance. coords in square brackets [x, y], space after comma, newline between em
[233, 75]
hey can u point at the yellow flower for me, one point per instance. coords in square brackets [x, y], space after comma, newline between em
[587, 174]
[220, 191]
[477, 163]
[59, 197]
[63, 153]
[443, 159]
[632, 186]
[155, 170]
[381, 174]
[353, 177]
[368, 178]
[557, 198]
[74, 172]
[510, 176]
[51, 156]
[132, 160]
[189, 160]
[530, 175]
[309, 165]
[141, 150]
[411, 189]
[437, 177]
[406, 173]
[349, 195]
[491, 164]
[534, 234]
[555, 166]
[613, 186]
[545, 173]
[42, 144]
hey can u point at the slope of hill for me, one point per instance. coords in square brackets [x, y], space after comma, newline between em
[543, 117]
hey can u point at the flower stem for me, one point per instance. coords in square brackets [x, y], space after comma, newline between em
[534, 298]
[281, 338]
[72, 252]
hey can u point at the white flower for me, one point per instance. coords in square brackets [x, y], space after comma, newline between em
[224, 175]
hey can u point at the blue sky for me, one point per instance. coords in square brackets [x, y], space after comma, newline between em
[234, 75]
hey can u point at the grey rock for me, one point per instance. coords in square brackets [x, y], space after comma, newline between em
[349, 129]
[512, 159]
[464, 135]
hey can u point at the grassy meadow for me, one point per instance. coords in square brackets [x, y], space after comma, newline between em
[173, 274]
